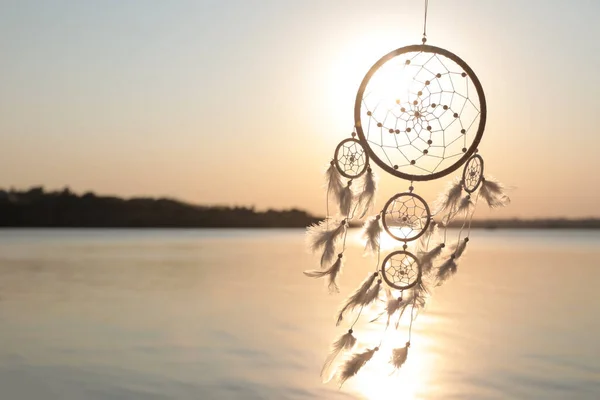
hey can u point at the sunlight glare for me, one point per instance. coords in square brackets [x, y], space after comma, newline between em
[351, 64]
[378, 380]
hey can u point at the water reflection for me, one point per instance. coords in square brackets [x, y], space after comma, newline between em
[228, 315]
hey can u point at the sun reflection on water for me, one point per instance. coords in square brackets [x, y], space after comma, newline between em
[378, 380]
[386, 241]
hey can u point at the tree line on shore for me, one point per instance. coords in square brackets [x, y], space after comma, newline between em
[36, 207]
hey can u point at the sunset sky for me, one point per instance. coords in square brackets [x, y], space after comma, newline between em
[242, 102]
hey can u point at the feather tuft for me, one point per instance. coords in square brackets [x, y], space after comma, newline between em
[367, 198]
[344, 343]
[446, 270]
[345, 200]
[320, 237]
[426, 258]
[465, 205]
[416, 299]
[399, 356]
[354, 363]
[449, 200]
[357, 298]
[431, 231]
[394, 305]
[333, 181]
[372, 294]
[371, 232]
[459, 248]
[331, 273]
[493, 192]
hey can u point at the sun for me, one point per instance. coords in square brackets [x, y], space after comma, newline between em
[347, 69]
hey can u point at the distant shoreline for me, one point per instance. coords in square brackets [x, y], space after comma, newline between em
[36, 208]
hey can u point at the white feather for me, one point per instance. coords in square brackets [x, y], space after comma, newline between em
[333, 180]
[367, 197]
[446, 270]
[354, 363]
[391, 305]
[419, 295]
[331, 273]
[346, 199]
[399, 356]
[426, 258]
[371, 232]
[416, 298]
[344, 343]
[372, 294]
[464, 206]
[357, 298]
[450, 197]
[493, 192]
[394, 305]
[320, 237]
[459, 248]
[430, 232]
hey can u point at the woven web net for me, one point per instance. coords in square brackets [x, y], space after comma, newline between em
[406, 217]
[473, 173]
[351, 158]
[420, 113]
[401, 270]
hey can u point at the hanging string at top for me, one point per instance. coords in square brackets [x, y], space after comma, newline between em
[425, 23]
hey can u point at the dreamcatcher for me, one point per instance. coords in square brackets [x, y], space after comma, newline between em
[419, 115]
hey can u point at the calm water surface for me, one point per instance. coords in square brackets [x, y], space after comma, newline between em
[224, 314]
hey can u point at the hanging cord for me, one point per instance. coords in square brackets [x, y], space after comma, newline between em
[425, 23]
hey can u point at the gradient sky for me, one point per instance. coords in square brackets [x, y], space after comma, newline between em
[243, 102]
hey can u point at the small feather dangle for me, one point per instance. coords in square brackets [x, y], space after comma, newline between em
[391, 306]
[446, 270]
[357, 298]
[354, 363]
[367, 198]
[346, 200]
[465, 205]
[493, 193]
[333, 181]
[416, 299]
[450, 199]
[429, 233]
[394, 305]
[427, 257]
[344, 343]
[399, 356]
[321, 237]
[450, 266]
[371, 232]
[459, 248]
[372, 294]
[331, 273]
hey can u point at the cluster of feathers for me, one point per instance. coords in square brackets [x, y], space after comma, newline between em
[349, 199]
[326, 235]
[439, 262]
